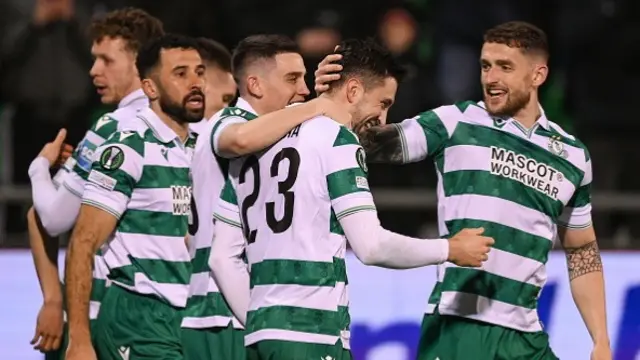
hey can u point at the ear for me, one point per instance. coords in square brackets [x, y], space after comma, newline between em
[540, 73]
[254, 86]
[355, 90]
[150, 88]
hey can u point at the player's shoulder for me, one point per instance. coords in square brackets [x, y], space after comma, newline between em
[454, 112]
[235, 112]
[132, 134]
[328, 132]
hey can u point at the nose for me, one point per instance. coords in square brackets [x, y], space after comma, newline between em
[491, 76]
[383, 117]
[303, 90]
[94, 69]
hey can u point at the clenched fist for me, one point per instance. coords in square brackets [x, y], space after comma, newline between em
[469, 248]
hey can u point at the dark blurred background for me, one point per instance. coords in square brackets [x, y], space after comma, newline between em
[595, 69]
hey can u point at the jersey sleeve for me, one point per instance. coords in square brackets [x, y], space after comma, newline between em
[426, 134]
[81, 160]
[345, 168]
[227, 210]
[115, 172]
[577, 213]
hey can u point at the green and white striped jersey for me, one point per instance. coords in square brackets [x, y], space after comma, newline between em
[520, 185]
[206, 307]
[288, 200]
[73, 174]
[141, 176]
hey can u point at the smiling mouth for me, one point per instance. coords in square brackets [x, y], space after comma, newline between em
[495, 93]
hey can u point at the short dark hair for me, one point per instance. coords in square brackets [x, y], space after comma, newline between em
[135, 26]
[368, 60]
[519, 34]
[149, 54]
[213, 52]
[259, 47]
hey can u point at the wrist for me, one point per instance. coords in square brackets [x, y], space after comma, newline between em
[55, 300]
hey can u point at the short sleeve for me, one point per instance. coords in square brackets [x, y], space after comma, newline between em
[116, 169]
[345, 168]
[227, 210]
[82, 158]
[577, 213]
[426, 134]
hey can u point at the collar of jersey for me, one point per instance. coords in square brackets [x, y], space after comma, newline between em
[542, 120]
[133, 97]
[244, 105]
[159, 128]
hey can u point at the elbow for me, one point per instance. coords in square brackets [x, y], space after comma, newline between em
[369, 256]
[217, 263]
[241, 145]
[48, 221]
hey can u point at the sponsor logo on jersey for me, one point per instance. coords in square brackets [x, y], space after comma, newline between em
[525, 170]
[84, 155]
[102, 180]
[112, 158]
[181, 199]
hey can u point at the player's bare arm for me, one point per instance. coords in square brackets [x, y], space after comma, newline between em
[44, 249]
[584, 265]
[92, 229]
[249, 137]
[382, 144]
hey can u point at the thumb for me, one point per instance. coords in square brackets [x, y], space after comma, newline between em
[59, 140]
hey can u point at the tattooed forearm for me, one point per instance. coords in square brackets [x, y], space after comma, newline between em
[382, 144]
[78, 275]
[583, 260]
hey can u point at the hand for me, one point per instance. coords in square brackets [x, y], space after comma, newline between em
[49, 326]
[80, 351]
[47, 11]
[65, 154]
[333, 110]
[469, 248]
[327, 72]
[54, 150]
[601, 352]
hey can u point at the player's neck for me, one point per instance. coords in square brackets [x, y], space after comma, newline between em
[528, 115]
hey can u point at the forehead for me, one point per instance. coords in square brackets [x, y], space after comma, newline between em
[290, 62]
[494, 52]
[108, 44]
[216, 76]
[179, 57]
[386, 90]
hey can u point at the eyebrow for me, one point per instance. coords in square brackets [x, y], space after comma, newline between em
[295, 73]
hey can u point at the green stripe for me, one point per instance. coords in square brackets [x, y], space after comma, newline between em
[477, 135]
[298, 272]
[491, 286]
[107, 129]
[228, 193]
[581, 197]
[436, 294]
[200, 261]
[334, 224]
[153, 223]
[212, 304]
[345, 137]
[158, 177]
[135, 141]
[299, 319]
[98, 289]
[507, 239]
[161, 271]
[343, 182]
[434, 130]
[478, 182]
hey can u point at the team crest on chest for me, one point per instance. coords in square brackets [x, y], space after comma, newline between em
[556, 146]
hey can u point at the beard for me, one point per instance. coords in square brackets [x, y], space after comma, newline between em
[361, 122]
[516, 101]
[179, 111]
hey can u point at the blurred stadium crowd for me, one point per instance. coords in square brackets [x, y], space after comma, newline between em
[45, 59]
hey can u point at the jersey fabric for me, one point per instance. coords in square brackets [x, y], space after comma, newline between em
[206, 307]
[288, 200]
[519, 185]
[141, 177]
[73, 174]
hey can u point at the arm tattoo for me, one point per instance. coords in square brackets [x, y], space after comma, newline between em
[583, 260]
[382, 144]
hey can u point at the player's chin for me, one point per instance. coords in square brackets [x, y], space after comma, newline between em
[194, 115]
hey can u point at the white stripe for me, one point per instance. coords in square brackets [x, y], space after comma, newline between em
[94, 308]
[467, 157]
[489, 208]
[152, 200]
[176, 156]
[143, 246]
[210, 322]
[201, 284]
[352, 200]
[94, 138]
[303, 296]
[450, 115]
[288, 335]
[340, 158]
[321, 247]
[488, 310]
